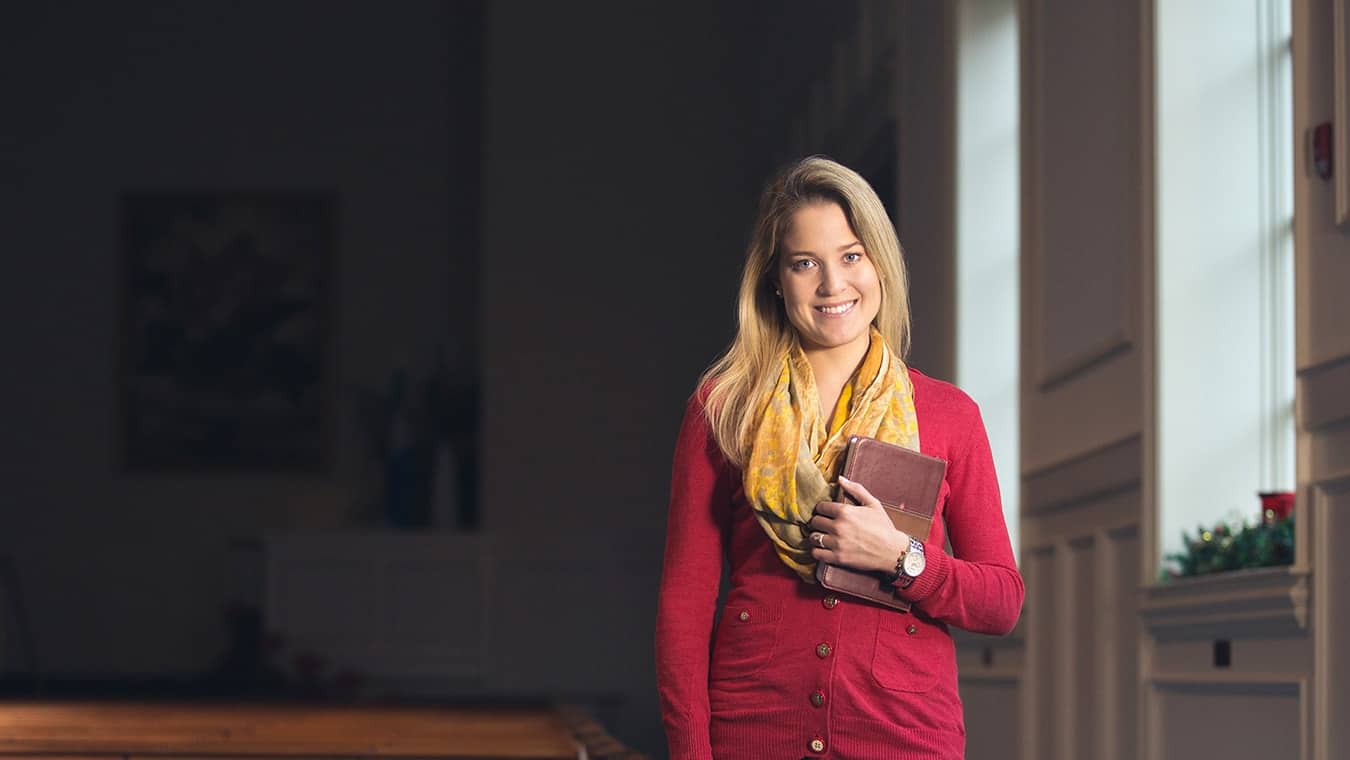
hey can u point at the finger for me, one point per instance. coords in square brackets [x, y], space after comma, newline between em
[825, 555]
[829, 509]
[856, 489]
[822, 524]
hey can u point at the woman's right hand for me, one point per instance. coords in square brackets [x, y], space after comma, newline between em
[861, 537]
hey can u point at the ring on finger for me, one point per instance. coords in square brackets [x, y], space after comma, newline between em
[818, 539]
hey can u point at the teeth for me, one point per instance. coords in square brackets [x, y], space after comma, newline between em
[836, 309]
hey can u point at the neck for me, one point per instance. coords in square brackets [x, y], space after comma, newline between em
[837, 361]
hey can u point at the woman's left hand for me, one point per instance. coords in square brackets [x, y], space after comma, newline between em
[861, 537]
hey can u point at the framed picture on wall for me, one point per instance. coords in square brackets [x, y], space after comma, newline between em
[225, 359]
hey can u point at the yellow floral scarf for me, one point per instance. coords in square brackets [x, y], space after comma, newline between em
[794, 457]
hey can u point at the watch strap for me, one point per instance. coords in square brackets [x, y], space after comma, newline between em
[905, 580]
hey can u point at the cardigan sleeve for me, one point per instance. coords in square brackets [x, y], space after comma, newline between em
[696, 534]
[978, 587]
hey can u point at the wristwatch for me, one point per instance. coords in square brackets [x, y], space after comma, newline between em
[910, 565]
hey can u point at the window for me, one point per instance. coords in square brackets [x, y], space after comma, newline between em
[1225, 320]
[987, 208]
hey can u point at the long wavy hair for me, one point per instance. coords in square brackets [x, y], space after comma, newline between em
[739, 381]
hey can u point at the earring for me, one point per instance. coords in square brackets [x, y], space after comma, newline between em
[778, 292]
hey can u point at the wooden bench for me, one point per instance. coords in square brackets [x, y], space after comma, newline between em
[207, 731]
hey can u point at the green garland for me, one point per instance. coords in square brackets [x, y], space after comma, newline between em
[1226, 547]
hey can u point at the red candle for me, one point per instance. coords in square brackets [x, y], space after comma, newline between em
[1276, 505]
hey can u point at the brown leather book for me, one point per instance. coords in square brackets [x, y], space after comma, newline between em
[907, 485]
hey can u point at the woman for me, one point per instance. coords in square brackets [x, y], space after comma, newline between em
[794, 670]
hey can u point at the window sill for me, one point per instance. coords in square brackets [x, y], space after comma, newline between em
[1260, 601]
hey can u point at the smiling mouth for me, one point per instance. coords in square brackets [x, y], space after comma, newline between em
[837, 309]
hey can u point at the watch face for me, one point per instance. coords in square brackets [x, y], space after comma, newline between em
[914, 564]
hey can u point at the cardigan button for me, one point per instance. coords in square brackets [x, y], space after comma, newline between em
[817, 744]
[912, 629]
[818, 699]
[830, 601]
[822, 651]
[744, 616]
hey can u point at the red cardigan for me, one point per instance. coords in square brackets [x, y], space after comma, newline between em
[794, 671]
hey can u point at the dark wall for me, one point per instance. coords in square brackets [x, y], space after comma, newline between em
[618, 204]
[128, 574]
[615, 201]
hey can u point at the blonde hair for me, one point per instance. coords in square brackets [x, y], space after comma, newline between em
[741, 378]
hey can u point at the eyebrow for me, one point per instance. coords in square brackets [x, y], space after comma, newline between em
[842, 248]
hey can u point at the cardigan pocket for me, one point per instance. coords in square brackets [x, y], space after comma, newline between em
[911, 653]
[746, 636]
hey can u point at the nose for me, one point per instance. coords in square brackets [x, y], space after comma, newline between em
[831, 280]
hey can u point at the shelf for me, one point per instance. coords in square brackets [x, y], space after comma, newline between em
[1258, 602]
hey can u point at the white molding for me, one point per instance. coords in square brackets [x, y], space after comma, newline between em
[1046, 373]
[964, 639]
[1321, 632]
[1147, 743]
[1148, 258]
[993, 676]
[1092, 475]
[1322, 401]
[1276, 243]
[1042, 539]
[1294, 684]
[1227, 604]
[1341, 103]
[1035, 662]
[1327, 454]
[1108, 608]
[1031, 173]
[1228, 682]
[1064, 668]
[1307, 112]
[1053, 375]
[1118, 517]
[1329, 691]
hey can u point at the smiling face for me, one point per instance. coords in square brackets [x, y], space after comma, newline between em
[831, 292]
